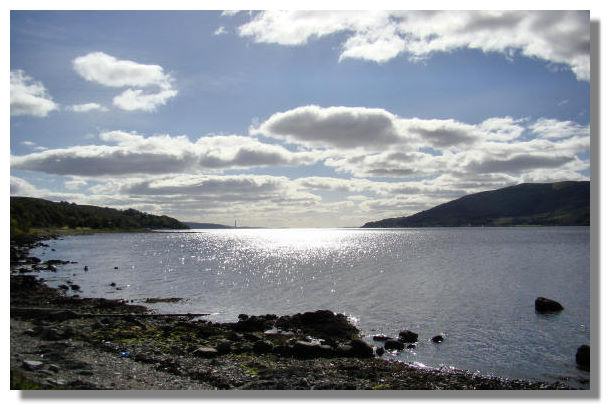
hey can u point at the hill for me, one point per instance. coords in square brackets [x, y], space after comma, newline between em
[32, 213]
[540, 204]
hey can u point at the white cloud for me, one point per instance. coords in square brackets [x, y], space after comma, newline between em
[111, 72]
[129, 153]
[29, 97]
[397, 166]
[220, 31]
[558, 37]
[21, 187]
[375, 128]
[90, 106]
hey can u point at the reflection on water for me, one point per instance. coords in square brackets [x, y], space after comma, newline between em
[476, 285]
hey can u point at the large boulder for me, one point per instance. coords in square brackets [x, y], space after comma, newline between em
[582, 357]
[393, 345]
[408, 336]
[545, 305]
[255, 323]
[358, 348]
[321, 324]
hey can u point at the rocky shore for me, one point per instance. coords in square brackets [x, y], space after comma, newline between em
[62, 341]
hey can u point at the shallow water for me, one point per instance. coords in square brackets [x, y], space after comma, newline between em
[476, 285]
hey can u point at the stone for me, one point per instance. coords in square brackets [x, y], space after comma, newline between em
[263, 347]
[224, 347]
[359, 348]
[380, 351]
[32, 364]
[545, 305]
[408, 336]
[393, 345]
[439, 338]
[206, 352]
[381, 338]
[302, 349]
[582, 357]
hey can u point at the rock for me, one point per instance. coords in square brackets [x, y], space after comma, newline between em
[306, 350]
[224, 347]
[380, 351]
[153, 300]
[56, 262]
[545, 305]
[116, 267]
[54, 368]
[55, 382]
[206, 352]
[393, 345]
[263, 347]
[321, 324]
[32, 364]
[438, 338]
[408, 336]
[112, 284]
[358, 348]
[256, 323]
[63, 287]
[381, 338]
[242, 317]
[582, 357]
[75, 287]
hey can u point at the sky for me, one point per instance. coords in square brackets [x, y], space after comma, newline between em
[296, 118]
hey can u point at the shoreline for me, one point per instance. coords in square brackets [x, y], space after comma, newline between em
[68, 342]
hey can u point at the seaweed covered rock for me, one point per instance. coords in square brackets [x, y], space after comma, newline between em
[255, 323]
[408, 336]
[322, 324]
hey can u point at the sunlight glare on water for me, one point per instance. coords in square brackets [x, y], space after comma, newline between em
[476, 285]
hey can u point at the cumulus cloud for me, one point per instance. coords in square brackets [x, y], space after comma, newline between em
[125, 153]
[90, 106]
[109, 71]
[557, 37]
[21, 187]
[29, 97]
[376, 128]
[391, 165]
[341, 127]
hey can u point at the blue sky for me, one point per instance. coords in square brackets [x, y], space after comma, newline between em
[498, 101]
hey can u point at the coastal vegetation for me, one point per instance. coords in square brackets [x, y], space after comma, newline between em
[36, 216]
[528, 204]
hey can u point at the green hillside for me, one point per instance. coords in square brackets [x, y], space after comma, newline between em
[29, 213]
[539, 204]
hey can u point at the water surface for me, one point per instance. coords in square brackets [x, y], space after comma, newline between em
[476, 285]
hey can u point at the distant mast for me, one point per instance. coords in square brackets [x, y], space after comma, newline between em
[235, 223]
